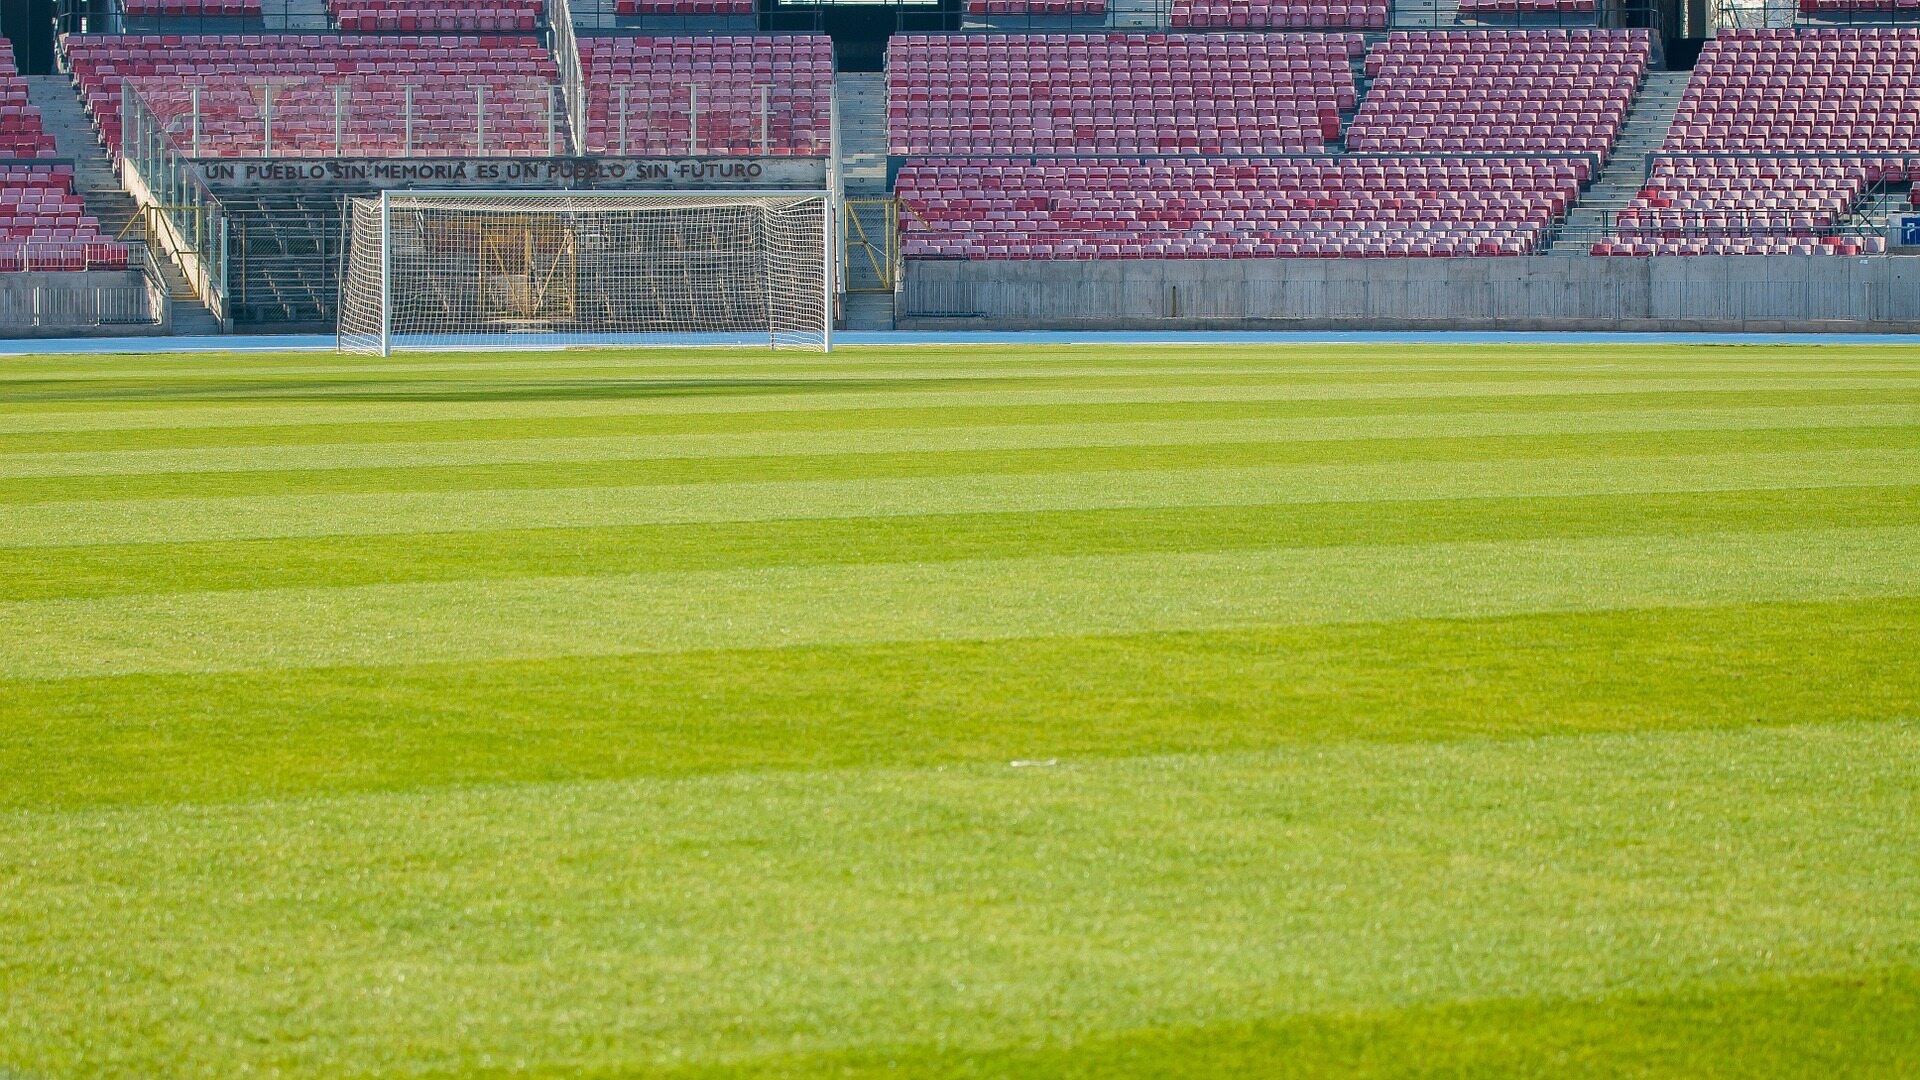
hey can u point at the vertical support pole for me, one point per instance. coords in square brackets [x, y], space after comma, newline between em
[552, 104]
[766, 115]
[406, 124]
[623, 119]
[828, 244]
[194, 94]
[480, 120]
[266, 120]
[386, 272]
[693, 120]
[339, 118]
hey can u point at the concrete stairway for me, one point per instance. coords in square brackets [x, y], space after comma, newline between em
[867, 311]
[304, 16]
[862, 101]
[1625, 173]
[94, 179]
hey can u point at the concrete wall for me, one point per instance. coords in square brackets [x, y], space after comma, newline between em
[1716, 293]
[81, 304]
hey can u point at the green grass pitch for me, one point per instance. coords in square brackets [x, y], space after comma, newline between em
[1343, 712]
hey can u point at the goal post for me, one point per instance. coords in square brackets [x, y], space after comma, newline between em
[528, 269]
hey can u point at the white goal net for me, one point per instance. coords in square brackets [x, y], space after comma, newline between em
[505, 269]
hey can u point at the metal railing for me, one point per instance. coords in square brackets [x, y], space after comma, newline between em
[314, 116]
[187, 222]
[573, 85]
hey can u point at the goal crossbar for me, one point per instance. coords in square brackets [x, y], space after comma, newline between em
[531, 269]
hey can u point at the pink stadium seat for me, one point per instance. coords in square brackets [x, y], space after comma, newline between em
[21, 135]
[45, 226]
[1226, 208]
[1537, 91]
[1526, 7]
[666, 82]
[1777, 139]
[1278, 14]
[483, 16]
[1192, 94]
[444, 74]
[185, 8]
[1794, 91]
[683, 7]
[1744, 206]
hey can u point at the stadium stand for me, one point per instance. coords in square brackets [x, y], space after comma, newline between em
[1743, 206]
[45, 226]
[726, 74]
[1811, 91]
[1076, 208]
[1851, 7]
[416, 16]
[1036, 7]
[1117, 94]
[1538, 91]
[173, 9]
[441, 73]
[1777, 141]
[21, 135]
[1279, 14]
[1526, 7]
[683, 7]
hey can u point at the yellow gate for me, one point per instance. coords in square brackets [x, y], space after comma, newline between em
[870, 231]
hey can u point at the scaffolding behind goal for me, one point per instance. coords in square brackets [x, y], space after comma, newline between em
[512, 269]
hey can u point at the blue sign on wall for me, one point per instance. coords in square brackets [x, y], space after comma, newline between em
[1910, 230]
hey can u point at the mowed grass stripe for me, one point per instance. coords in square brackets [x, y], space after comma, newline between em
[124, 569]
[81, 398]
[970, 599]
[918, 360]
[611, 473]
[128, 521]
[525, 449]
[1862, 1024]
[221, 737]
[297, 425]
[480, 401]
[590, 927]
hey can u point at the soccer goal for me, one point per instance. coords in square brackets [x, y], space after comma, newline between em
[467, 269]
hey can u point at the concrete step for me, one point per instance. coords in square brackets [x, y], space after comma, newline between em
[867, 311]
[861, 99]
[1641, 133]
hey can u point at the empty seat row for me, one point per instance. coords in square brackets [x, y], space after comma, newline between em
[720, 94]
[1232, 208]
[21, 135]
[1119, 94]
[1036, 7]
[1279, 14]
[185, 8]
[44, 225]
[1560, 91]
[236, 74]
[1526, 7]
[683, 7]
[408, 16]
[1824, 91]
